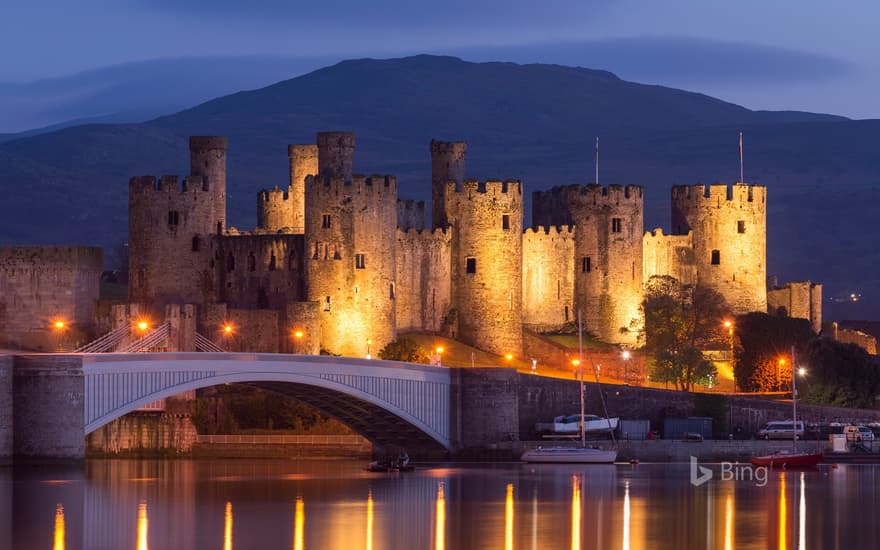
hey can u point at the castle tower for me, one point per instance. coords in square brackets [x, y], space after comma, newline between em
[447, 164]
[487, 221]
[350, 231]
[207, 158]
[608, 226]
[303, 162]
[171, 227]
[335, 154]
[730, 232]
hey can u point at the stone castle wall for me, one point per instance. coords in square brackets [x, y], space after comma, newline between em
[410, 214]
[351, 228]
[42, 285]
[284, 210]
[608, 227]
[548, 278]
[259, 270]
[800, 300]
[170, 226]
[424, 292]
[729, 225]
[669, 255]
[487, 221]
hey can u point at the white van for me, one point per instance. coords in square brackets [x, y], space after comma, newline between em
[782, 429]
[858, 433]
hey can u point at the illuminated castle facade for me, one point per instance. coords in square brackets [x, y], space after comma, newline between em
[338, 258]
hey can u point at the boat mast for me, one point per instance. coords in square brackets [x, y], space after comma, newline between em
[581, 373]
[793, 399]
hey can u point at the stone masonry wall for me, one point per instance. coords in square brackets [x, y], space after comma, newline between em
[799, 300]
[259, 270]
[729, 225]
[5, 406]
[669, 255]
[423, 279]
[42, 285]
[548, 278]
[487, 220]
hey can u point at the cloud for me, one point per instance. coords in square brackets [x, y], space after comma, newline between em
[677, 60]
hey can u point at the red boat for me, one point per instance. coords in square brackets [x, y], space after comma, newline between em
[784, 459]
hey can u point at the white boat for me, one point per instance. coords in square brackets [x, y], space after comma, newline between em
[577, 424]
[569, 425]
[562, 455]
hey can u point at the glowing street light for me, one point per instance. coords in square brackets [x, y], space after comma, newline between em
[508, 356]
[143, 325]
[626, 355]
[58, 325]
[227, 329]
[802, 371]
[369, 346]
[439, 351]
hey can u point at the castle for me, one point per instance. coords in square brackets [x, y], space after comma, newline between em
[338, 262]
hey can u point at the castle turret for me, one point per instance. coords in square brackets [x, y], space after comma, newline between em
[274, 210]
[335, 154]
[447, 164]
[487, 221]
[730, 232]
[608, 226]
[207, 158]
[303, 162]
[350, 231]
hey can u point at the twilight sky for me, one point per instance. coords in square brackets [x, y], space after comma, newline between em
[808, 54]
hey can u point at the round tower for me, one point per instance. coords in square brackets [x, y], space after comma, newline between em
[729, 227]
[608, 227]
[335, 154]
[273, 210]
[447, 164]
[303, 162]
[487, 221]
[350, 257]
[207, 158]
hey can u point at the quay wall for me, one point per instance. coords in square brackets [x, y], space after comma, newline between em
[5, 407]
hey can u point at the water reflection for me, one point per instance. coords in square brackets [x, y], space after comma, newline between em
[183, 505]
[227, 527]
[440, 511]
[299, 523]
[59, 528]
[142, 526]
[508, 518]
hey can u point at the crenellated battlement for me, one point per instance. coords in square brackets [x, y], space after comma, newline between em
[566, 231]
[359, 184]
[591, 192]
[273, 195]
[206, 143]
[57, 256]
[657, 233]
[488, 187]
[438, 233]
[165, 185]
[741, 193]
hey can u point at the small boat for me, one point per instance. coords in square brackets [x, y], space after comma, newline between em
[784, 459]
[570, 425]
[392, 463]
[563, 455]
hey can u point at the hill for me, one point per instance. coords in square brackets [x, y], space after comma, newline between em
[535, 122]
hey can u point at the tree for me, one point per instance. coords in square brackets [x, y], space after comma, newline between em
[838, 374]
[681, 321]
[762, 341]
[404, 349]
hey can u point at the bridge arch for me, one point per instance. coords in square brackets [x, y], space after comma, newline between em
[386, 401]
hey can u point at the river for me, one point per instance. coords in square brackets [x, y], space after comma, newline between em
[335, 504]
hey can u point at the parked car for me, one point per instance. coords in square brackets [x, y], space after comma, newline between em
[858, 433]
[783, 429]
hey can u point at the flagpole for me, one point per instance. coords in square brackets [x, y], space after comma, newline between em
[741, 179]
[596, 158]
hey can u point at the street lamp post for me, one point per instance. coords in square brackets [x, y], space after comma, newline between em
[728, 324]
[626, 355]
[369, 347]
[59, 327]
[439, 351]
[297, 338]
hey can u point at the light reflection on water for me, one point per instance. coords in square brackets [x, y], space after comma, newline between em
[138, 504]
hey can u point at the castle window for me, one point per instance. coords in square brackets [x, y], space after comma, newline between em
[741, 226]
[391, 290]
[230, 262]
[505, 221]
[716, 257]
[566, 314]
[359, 262]
[470, 265]
[141, 277]
[616, 225]
[325, 221]
[252, 262]
[586, 265]
[219, 228]
[327, 303]
[196, 244]
[173, 217]
[272, 262]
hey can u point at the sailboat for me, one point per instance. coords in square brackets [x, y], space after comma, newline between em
[793, 459]
[577, 455]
